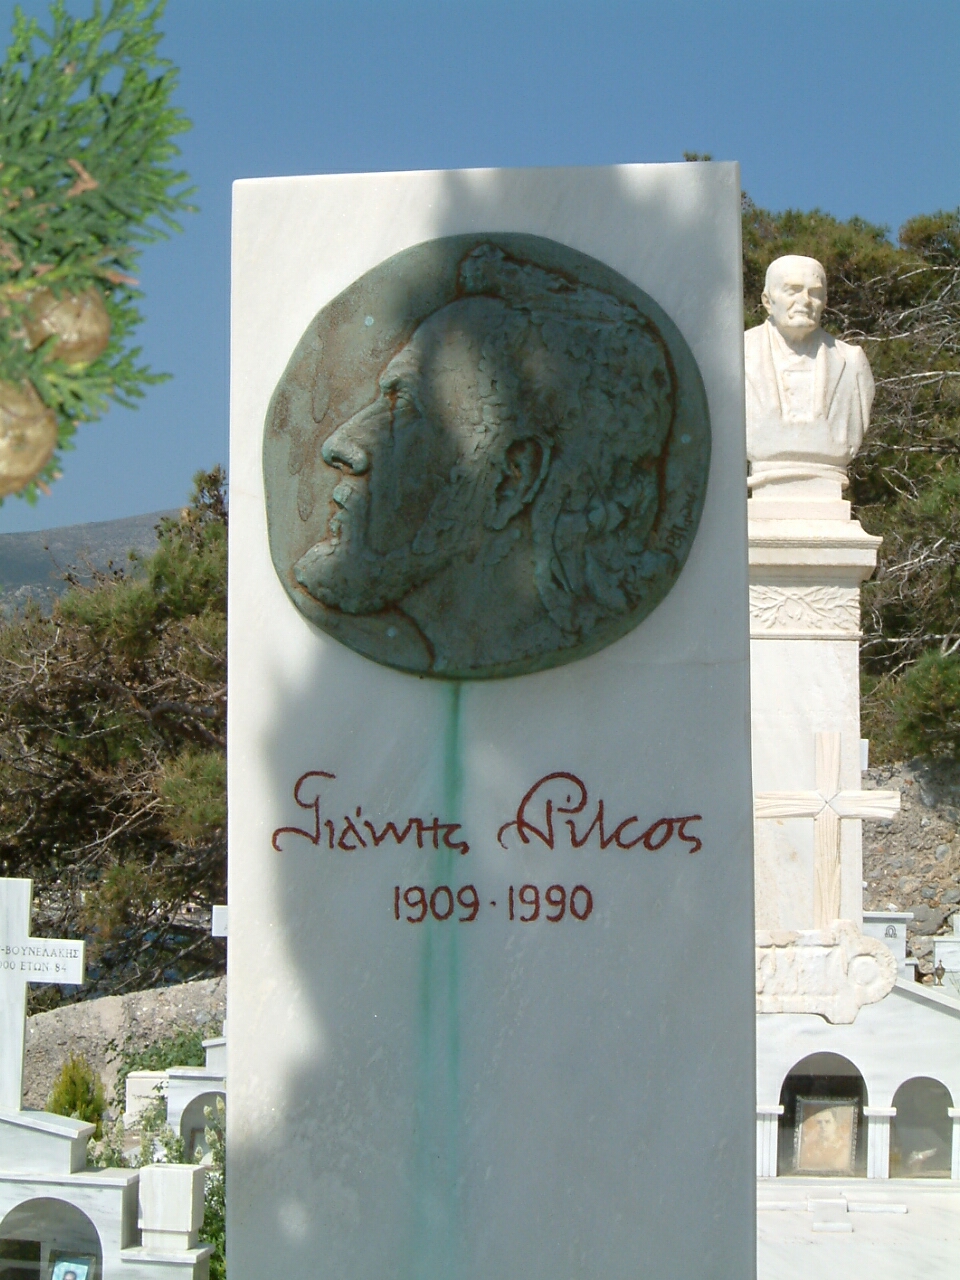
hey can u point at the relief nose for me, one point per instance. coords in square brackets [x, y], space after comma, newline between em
[343, 449]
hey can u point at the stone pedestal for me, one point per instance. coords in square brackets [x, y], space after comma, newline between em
[171, 1206]
[768, 1120]
[878, 1140]
[807, 561]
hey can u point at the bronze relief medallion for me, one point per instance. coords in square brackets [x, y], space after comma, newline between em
[486, 457]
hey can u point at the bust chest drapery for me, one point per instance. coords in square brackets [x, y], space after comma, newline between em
[810, 408]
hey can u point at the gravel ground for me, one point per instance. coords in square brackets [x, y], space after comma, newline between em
[913, 863]
[88, 1028]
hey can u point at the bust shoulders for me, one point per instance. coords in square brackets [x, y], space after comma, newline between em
[759, 341]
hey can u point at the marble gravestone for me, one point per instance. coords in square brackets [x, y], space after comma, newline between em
[25, 959]
[489, 728]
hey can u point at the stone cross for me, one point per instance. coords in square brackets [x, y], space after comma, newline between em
[24, 959]
[828, 806]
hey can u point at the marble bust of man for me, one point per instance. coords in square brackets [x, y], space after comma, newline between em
[808, 394]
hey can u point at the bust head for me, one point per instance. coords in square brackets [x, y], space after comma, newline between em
[795, 294]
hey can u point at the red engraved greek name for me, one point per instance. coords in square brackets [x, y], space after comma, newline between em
[565, 793]
[351, 834]
[314, 804]
[574, 794]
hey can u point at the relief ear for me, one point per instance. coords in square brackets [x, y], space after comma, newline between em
[525, 464]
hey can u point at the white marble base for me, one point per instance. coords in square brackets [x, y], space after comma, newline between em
[805, 577]
[908, 1229]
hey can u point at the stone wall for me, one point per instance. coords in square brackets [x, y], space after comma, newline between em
[87, 1028]
[913, 863]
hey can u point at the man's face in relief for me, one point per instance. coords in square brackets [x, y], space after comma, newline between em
[413, 482]
[795, 295]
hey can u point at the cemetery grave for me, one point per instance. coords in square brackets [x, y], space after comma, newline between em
[857, 1064]
[456, 1044]
[59, 1215]
[473, 810]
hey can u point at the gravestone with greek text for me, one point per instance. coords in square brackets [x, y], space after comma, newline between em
[489, 728]
[25, 959]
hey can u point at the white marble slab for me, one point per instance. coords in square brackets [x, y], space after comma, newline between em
[911, 1229]
[492, 1098]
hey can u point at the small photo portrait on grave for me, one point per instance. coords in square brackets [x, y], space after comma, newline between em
[826, 1135]
[487, 456]
[77, 1267]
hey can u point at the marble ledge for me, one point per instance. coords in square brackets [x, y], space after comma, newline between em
[766, 511]
[812, 549]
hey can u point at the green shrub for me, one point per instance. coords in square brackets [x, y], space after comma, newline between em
[112, 743]
[158, 1142]
[78, 1093]
[214, 1229]
[183, 1047]
[878, 717]
[927, 707]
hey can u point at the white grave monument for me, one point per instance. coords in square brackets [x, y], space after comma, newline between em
[452, 1054]
[56, 1214]
[188, 1091]
[849, 1048]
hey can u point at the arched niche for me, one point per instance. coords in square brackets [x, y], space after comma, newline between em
[193, 1122]
[44, 1238]
[921, 1133]
[821, 1131]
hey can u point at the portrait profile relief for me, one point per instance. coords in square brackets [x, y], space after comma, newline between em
[487, 456]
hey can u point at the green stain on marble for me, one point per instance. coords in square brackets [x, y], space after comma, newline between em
[435, 1248]
[452, 763]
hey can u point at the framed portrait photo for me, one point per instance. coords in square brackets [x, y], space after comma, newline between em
[825, 1137]
[72, 1266]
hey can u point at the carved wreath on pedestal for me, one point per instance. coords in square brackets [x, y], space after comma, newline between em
[815, 610]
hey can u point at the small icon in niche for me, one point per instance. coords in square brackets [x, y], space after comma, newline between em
[72, 1267]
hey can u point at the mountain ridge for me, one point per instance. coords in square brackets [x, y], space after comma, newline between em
[33, 566]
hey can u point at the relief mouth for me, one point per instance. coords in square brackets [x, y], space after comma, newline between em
[346, 497]
[342, 494]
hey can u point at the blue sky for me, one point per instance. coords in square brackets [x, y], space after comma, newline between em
[852, 107]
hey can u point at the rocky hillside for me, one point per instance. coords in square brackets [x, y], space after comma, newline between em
[913, 863]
